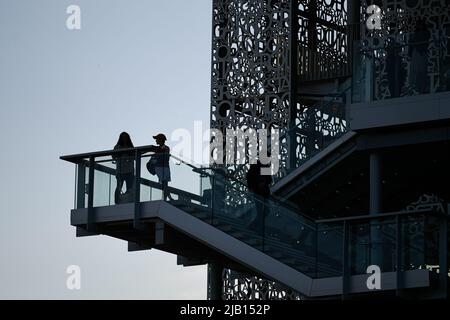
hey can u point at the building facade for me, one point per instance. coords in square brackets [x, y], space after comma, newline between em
[359, 92]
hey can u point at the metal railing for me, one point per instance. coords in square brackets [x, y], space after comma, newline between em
[328, 61]
[322, 248]
[401, 66]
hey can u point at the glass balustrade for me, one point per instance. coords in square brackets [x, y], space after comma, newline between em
[400, 66]
[273, 227]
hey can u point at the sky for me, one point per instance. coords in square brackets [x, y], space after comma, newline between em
[141, 66]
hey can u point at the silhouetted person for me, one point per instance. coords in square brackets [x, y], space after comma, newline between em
[257, 182]
[124, 166]
[162, 169]
[259, 185]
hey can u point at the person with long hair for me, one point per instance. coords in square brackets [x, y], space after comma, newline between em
[124, 167]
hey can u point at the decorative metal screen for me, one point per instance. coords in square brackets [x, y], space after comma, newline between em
[251, 66]
[409, 55]
[262, 50]
[238, 286]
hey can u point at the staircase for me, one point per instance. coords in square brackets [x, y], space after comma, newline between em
[265, 237]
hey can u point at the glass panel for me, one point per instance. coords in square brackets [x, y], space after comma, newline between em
[290, 238]
[237, 212]
[387, 246]
[404, 66]
[413, 242]
[206, 187]
[151, 189]
[372, 243]
[329, 250]
[359, 248]
[114, 180]
[431, 234]
[190, 188]
[421, 242]
[185, 177]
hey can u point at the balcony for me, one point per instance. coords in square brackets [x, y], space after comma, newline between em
[400, 80]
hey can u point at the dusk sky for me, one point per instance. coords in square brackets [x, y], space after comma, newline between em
[141, 66]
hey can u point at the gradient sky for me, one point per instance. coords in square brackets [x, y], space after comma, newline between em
[141, 66]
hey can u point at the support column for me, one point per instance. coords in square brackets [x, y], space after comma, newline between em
[443, 257]
[81, 186]
[293, 75]
[353, 8]
[91, 227]
[215, 282]
[376, 197]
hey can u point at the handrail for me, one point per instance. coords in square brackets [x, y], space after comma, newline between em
[156, 185]
[383, 215]
[79, 158]
[76, 158]
[240, 183]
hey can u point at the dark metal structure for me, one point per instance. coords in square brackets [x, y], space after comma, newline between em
[303, 67]
[364, 117]
[263, 54]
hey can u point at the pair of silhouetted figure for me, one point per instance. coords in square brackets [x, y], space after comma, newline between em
[125, 172]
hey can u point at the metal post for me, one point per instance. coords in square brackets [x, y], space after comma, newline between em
[215, 282]
[443, 256]
[81, 186]
[137, 193]
[345, 265]
[369, 78]
[90, 214]
[293, 74]
[375, 207]
[109, 190]
[398, 255]
[353, 8]
[316, 251]
[213, 194]
[265, 206]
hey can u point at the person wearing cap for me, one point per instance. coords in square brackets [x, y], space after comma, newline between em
[162, 169]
